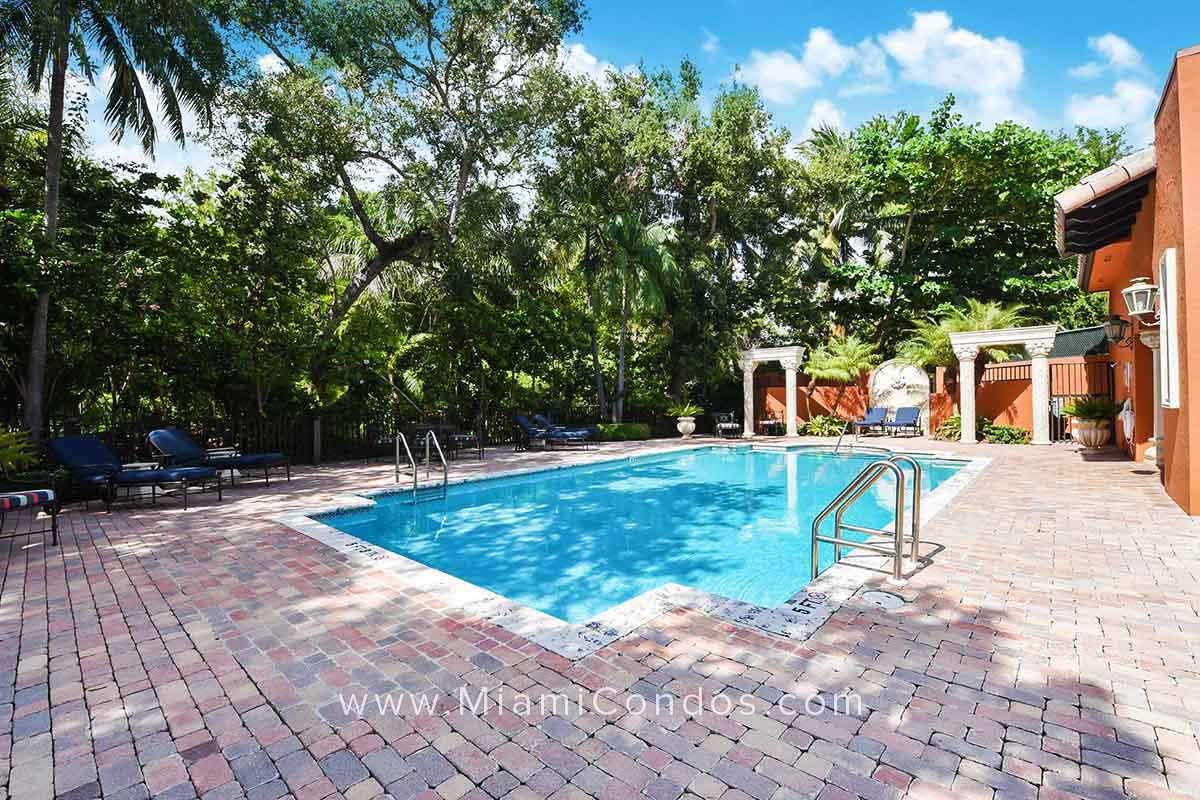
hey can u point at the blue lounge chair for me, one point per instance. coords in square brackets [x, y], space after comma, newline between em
[528, 432]
[907, 420]
[183, 451]
[874, 418]
[545, 423]
[90, 464]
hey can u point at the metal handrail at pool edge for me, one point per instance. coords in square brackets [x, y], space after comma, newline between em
[412, 462]
[430, 437]
[848, 496]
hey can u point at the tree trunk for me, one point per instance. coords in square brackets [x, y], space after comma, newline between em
[35, 394]
[601, 396]
[837, 398]
[619, 404]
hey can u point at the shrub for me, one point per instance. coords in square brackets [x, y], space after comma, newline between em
[15, 450]
[1092, 408]
[951, 429]
[685, 409]
[1006, 434]
[624, 431]
[825, 425]
[985, 430]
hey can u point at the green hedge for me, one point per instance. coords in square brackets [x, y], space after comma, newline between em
[624, 431]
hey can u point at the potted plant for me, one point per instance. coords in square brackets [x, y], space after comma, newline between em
[685, 414]
[1091, 420]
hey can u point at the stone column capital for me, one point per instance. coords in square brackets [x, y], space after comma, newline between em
[747, 364]
[1039, 349]
[966, 352]
[789, 363]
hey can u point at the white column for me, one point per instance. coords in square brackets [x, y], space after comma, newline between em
[1154, 454]
[747, 398]
[790, 365]
[966, 389]
[1039, 353]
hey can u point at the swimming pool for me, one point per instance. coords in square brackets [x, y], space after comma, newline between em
[574, 542]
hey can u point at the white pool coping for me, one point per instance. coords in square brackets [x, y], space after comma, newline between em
[797, 619]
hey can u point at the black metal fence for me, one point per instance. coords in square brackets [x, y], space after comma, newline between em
[339, 435]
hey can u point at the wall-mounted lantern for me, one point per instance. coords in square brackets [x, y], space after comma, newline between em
[1140, 298]
[1116, 331]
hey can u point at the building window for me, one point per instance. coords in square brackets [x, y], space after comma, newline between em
[1169, 328]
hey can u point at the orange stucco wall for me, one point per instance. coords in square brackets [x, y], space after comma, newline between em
[1177, 224]
[771, 395]
[1170, 217]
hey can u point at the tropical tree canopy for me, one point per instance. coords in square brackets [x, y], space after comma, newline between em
[421, 212]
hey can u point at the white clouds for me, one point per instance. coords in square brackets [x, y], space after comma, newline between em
[824, 113]
[933, 52]
[270, 64]
[577, 60]
[874, 75]
[711, 43]
[1131, 105]
[1116, 53]
[782, 77]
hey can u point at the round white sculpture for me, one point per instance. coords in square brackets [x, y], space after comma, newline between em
[895, 384]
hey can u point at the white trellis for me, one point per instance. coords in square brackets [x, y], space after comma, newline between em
[1038, 341]
[790, 358]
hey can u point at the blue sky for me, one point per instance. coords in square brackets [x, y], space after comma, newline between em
[1049, 64]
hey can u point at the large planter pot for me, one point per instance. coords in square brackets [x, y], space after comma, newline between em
[1091, 433]
[686, 426]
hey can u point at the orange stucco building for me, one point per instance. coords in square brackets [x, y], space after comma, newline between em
[1139, 219]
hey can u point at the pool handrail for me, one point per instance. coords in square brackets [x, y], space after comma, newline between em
[412, 462]
[848, 496]
[430, 436]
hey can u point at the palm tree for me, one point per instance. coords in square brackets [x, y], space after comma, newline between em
[171, 49]
[842, 360]
[637, 273]
[928, 344]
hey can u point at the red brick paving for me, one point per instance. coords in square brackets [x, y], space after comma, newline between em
[1049, 651]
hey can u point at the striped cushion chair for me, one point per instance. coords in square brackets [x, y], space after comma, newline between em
[15, 501]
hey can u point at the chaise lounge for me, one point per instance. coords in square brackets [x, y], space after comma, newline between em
[528, 432]
[545, 423]
[91, 465]
[183, 451]
[907, 421]
[872, 420]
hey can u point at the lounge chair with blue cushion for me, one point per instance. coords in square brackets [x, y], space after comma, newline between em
[528, 432]
[907, 421]
[545, 423]
[90, 464]
[14, 498]
[726, 426]
[183, 451]
[873, 419]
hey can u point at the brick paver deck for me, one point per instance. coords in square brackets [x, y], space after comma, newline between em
[1049, 651]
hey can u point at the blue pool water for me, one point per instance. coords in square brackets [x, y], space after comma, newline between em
[577, 541]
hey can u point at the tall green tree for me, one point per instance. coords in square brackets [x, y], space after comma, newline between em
[423, 114]
[841, 360]
[172, 50]
[640, 271]
[928, 343]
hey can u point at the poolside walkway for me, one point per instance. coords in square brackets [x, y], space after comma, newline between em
[1049, 651]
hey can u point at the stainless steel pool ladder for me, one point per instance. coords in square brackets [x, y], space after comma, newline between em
[412, 463]
[431, 437]
[851, 494]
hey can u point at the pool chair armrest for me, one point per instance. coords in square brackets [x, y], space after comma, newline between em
[222, 452]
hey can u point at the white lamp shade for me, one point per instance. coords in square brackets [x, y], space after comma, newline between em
[1140, 297]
